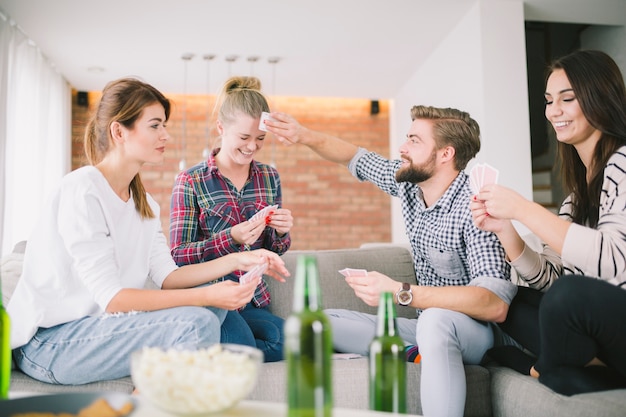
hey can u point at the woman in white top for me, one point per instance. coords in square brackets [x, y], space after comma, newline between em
[80, 308]
[577, 330]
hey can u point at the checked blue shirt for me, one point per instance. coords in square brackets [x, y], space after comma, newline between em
[447, 248]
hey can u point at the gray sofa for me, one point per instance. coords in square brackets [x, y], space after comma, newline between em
[491, 390]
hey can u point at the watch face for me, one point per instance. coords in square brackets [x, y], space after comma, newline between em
[404, 297]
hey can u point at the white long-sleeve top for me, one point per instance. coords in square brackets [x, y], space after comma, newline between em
[87, 245]
[598, 253]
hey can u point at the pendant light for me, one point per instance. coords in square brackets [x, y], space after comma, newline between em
[182, 164]
[273, 60]
[207, 149]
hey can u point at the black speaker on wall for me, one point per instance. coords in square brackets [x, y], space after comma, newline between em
[374, 107]
[82, 99]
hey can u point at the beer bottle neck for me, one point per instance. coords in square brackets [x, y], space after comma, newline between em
[386, 320]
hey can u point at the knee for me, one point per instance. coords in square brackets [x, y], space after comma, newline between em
[564, 293]
[196, 325]
[435, 328]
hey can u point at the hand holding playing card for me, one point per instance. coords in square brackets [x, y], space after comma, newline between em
[256, 273]
[281, 220]
[350, 272]
[265, 213]
[264, 116]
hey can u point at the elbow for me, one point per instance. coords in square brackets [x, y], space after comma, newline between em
[499, 311]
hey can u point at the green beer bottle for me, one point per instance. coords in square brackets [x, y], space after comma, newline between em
[5, 350]
[308, 347]
[387, 361]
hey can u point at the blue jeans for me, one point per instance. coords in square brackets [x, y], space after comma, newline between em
[99, 348]
[255, 327]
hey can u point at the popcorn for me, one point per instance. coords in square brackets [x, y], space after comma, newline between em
[201, 381]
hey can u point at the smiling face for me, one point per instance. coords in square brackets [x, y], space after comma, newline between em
[241, 139]
[563, 111]
[145, 141]
[418, 153]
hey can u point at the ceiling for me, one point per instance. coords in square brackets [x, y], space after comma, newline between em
[333, 48]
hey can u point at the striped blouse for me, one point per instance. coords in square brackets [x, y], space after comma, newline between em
[597, 253]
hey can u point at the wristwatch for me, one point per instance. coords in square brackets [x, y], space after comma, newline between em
[404, 296]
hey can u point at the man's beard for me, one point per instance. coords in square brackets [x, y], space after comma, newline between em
[416, 174]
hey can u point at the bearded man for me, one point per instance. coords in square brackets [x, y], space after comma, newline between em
[463, 280]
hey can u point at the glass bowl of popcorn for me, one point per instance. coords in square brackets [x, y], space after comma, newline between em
[193, 382]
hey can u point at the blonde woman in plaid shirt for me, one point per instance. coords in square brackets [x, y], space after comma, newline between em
[213, 204]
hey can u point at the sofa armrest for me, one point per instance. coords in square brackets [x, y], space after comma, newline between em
[393, 261]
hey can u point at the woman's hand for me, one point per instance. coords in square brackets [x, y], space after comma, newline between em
[231, 295]
[248, 232]
[281, 221]
[501, 202]
[275, 265]
[482, 219]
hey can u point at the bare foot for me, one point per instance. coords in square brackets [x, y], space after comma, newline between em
[596, 361]
[533, 372]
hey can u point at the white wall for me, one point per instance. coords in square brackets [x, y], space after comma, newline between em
[479, 68]
[610, 39]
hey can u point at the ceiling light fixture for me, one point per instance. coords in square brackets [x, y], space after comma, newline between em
[182, 164]
[230, 59]
[207, 150]
[273, 60]
[252, 60]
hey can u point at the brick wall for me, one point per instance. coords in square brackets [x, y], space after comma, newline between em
[331, 209]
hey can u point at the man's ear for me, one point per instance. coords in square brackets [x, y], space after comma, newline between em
[448, 153]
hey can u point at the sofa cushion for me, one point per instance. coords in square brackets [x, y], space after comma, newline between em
[10, 271]
[393, 261]
[351, 386]
[517, 395]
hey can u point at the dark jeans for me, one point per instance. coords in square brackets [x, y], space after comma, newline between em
[255, 327]
[576, 320]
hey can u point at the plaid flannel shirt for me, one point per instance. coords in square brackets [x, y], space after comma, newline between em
[205, 206]
[447, 248]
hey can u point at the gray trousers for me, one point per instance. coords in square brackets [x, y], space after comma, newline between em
[447, 340]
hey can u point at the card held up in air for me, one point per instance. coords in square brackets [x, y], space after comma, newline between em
[481, 175]
[264, 116]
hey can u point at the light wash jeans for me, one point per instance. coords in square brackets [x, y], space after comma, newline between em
[447, 340]
[256, 327]
[99, 348]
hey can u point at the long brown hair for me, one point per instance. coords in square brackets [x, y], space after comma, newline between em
[122, 101]
[599, 88]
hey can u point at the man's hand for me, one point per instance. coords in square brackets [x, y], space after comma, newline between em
[369, 287]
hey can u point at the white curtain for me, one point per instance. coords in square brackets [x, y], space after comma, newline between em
[35, 132]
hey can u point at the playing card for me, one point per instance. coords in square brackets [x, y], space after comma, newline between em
[490, 175]
[264, 116]
[481, 175]
[350, 272]
[254, 273]
[266, 211]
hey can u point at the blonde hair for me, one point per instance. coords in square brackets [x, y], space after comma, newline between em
[452, 127]
[241, 94]
[122, 101]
